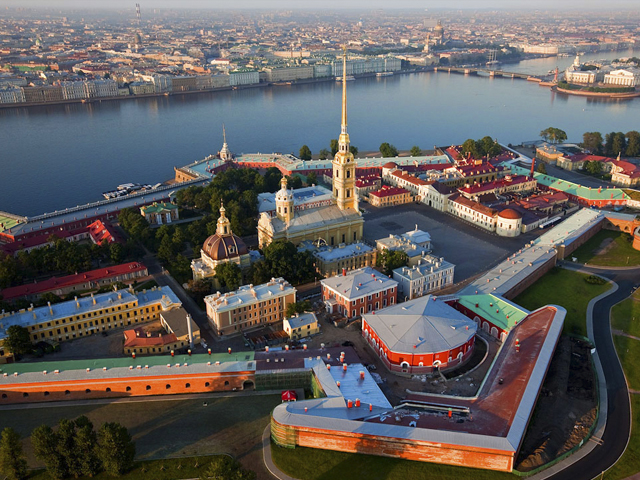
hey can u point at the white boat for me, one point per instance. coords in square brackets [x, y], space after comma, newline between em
[382, 74]
[349, 78]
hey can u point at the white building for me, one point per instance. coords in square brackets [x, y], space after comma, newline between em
[430, 274]
[624, 77]
[11, 95]
[162, 83]
[243, 76]
[102, 88]
[419, 237]
[74, 90]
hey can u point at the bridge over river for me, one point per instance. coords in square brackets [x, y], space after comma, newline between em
[494, 73]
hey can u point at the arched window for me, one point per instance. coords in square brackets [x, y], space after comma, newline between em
[148, 387]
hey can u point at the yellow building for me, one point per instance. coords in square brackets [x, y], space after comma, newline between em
[90, 315]
[340, 222]
[388, 196]
[249, 307]
[301, 325]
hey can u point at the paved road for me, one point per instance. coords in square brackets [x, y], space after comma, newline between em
[617, 430]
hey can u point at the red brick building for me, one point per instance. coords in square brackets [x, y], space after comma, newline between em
[420, 336]
[358, 292]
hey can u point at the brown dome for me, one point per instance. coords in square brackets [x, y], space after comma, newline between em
[390, 165]
[510, 214]
[221, 247]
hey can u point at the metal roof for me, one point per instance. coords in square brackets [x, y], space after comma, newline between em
[420, 326]
[497, 310]
[359, 283]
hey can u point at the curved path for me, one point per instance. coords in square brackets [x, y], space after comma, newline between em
[618, 426]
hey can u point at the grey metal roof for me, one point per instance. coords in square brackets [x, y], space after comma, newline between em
[359, 283]
[307, 318]
[420, 326]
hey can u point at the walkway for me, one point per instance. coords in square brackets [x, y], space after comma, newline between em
[614, 424]
[268, 461]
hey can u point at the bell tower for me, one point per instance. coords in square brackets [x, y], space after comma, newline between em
[284, 202]
[223, 226]
[344, 167]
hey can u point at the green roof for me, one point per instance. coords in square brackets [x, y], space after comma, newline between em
[497, 310]
[158, 207]
[574, 188]
[99, 363]
[9, 221]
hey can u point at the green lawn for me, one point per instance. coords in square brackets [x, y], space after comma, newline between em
[629, 353]
[315, 464]
[626, 316]
[171, 469]
[567, 289]
[165, 428]
[620, 254]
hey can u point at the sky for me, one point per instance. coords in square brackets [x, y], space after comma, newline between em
[326, 4]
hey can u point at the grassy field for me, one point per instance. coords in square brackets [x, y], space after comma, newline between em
[314, 464]
[628, 351]
[626, 316]
[171, 469]
[165, 428]
[567, 289]
[619, 253]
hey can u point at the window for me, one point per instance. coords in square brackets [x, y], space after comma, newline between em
[148, 387]
[187, 385]
[206, 384]
[167, 387]
[46, 394]
[67, 392]
[226, 383]
[128, 389]
[87, 391]
[108, 390]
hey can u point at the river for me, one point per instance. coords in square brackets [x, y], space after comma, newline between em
[60, 156]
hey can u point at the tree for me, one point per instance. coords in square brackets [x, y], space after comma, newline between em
[312, 178]
[294, 181]
[541, 168]
[323, 154]
[17, 340]
[593, 168]
[66, 446]
[470, 148]
[334, 146]
[388, 150]
[229, 275]
[9, 271]
[415, 151]
[389, 260]
[305, 153]
[225, 468]
[619, 144]
[45, 442]
[633, 144]
[298, 307]
[592, 141]
[116, 252]
[553, 135]
[353, 150]
[13, 466]
[87, 462]
[115, 449]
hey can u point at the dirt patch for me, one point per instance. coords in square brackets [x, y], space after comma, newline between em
[606, 245]
[566, 408]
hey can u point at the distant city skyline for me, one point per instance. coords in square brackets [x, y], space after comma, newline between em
[327, 4]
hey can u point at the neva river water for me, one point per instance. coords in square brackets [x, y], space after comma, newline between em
[60, 156]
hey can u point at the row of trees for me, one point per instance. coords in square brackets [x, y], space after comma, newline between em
[614, 143]
[386, 149]
[60, 258]
[486, 146]
[74, 449]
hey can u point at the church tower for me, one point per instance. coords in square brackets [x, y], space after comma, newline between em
[223, 226]
[284, 202]
[344, 167]
[225, 153]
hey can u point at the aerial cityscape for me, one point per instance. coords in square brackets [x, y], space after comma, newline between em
[289, 241]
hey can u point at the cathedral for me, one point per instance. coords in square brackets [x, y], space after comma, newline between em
[339, 222]
[222, 247]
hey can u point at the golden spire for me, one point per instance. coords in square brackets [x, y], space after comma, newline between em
[344, 89]
[224, 135]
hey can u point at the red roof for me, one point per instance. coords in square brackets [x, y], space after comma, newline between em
[390, 165]
[478, 207]
[587, 157]
[628, 168]
[289, 396]
[102, 231]
[55, 283]
[407, 177]
[137, 337]
[494, 185]
[509, 214]
[387, 191]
